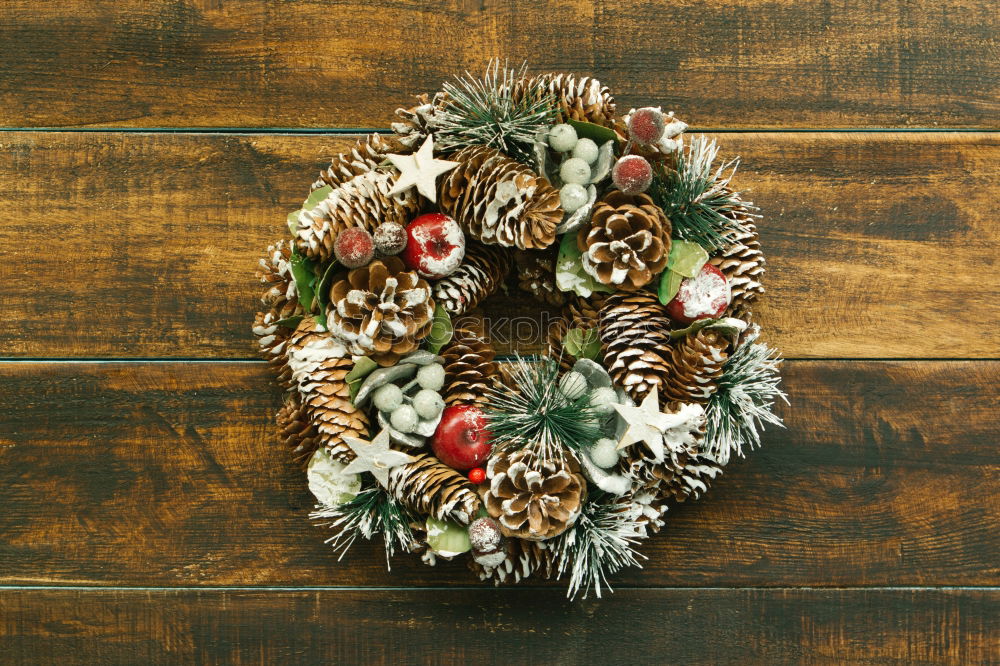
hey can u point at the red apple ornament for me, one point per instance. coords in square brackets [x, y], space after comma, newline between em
[435, 246]
[703, 296]
[461, 440]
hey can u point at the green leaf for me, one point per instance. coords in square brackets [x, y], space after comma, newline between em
[441, 330]
[596, 133]
[321, 320]
[670, 283]
[290, 322]
[363, 367]
[302, 271]
[583, 343]
[316, 196]
[570, 275]
[686, 258]
[727, 325]
[324, 283]
[293, 222]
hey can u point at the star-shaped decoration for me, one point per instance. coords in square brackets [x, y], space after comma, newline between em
[646, 423]
[375, 457]
[420, 169]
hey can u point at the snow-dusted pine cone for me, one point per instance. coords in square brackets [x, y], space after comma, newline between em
[636, 342]
[523, 559]
[296, 431]
[481, 274]
[579, 97]
[272, 343]
[742, 263]
[469, 367]
[695, 367]
[416, 122]
[363, 157]
[427, 486]
[536, 274]
[627, 242]
[275, 272]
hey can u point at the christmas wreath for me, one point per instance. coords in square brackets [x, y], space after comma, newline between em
[554, 466]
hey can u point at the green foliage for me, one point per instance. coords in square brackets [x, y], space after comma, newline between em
[304, 272]
[441, 330]
[582, 343]
[372, 511]
[686, 260]
[363, 367]
[599, 134]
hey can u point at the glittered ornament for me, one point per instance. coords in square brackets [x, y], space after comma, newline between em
[604, 453]
[431, 377]
[575, 170]
[354, 247]
[572, 196]
[388, 398]
[562, 138]
[586, 150]
[390, 238]
[573, 385]
[428, 404]
[632, 174]
[646, 125]
[404, 418]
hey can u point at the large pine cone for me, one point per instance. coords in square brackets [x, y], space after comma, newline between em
[416, 122]
[742, 262]
[363, 157]
[428, 486]
[272, 343]
[382, 310]
[578, 98]
[481, 274]
[635, 337]
[297, 432]
[362, 201]
[579, 312]
[531, 499]
[499, 201]
[627, 242]
[695, 367]
[524, 559]
[275, 272]
[536, 274]
[469, 369]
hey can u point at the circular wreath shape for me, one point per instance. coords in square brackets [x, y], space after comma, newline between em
[554, 466]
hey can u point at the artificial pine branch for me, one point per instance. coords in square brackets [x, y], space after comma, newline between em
[742, 403]
[370, 512]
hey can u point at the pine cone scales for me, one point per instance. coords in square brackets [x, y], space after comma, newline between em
[536, 274]
[579, 98]
[499, 201]
[524, 559]
[469, 368]
[428, 486]
[275, 271]
[381, 309]
[680, 475]
[272, 342]
[297, 432]
[416, 122]
[481, 274]
[532, 499]
[627, 242]
[579, 312]
[364, 156]
[742, 263]
[636, 342]
[695, 366]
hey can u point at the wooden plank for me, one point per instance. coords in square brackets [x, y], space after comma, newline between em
[163, 63]
[421, 626]
[167, 474]
[131, 245]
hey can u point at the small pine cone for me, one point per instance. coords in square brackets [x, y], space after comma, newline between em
[579, 312]
[578, 98]
[275, 271]
[416, 122]
[695, 367]
[627, 242]
[469, 369]
[742, 263]
[297, 432]
[272, 343]
[649, 505]
[524, 559]
[321, 364]
[481, 274]
[636, 342]
[427, 486]
[381, 310]
[363, 201]
[532, 499]
[499, 201]
[363, 157]
[536, 274]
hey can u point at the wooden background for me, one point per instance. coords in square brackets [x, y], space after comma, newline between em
[151, 149]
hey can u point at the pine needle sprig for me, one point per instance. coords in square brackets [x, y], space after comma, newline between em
[534, 413]
[372, 511]
[699, 202]
[602, 542]
[743, 401]
[486, 112]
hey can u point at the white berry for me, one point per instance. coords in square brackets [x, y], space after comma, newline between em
[586, 150]
[603, 400]
[404, 419]
[572, 196]
[573, 385]
[428, 404]
[575, 170]
[387, 398]
[431, 377]
[562, 138]
[604, 453]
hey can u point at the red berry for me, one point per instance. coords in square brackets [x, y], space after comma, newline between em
[646, 125]
[706, 295]
[354, 247]
[390, 238]
[477, 475]
[632, 174]
[435, 246]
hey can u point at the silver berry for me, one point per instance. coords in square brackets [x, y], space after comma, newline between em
[573, 385]
[431, 377]
[428, 404]
[562, 138]
[387, 398]
[575, 170]
[604, 453]
[404, 419]
[572, 196]
[586, 150]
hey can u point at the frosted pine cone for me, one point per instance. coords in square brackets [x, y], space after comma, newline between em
[577, 97]
[272, 342]
[627, 242]
[297, 432]
[481, 274]
[695, 367]
[635, 338]
[416, 122]
[366, 155]
[523, 559]
[469, 367]
[428, 486]
[742, 262]
[536, 274]
[275, 272]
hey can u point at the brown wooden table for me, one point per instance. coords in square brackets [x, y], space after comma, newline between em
[146, 513]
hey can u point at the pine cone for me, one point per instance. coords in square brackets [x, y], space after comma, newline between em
[427, 486]
[320, 365]
[534, 500]
[362, 201]
[579, 312]
[297, 432]
[578, 98]
[524, 559]
[695, 366]
[536, 274]
[363, 157]
[417, 122]
[275, 271]
[481, 274]
[469, 369]
[272, 342]
[381, 310]
[636, 342]
[627, 242]
[663, 153]
[742, 263]
[499, 201]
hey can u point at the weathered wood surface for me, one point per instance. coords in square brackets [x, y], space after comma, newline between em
[167, 474]
[255, 63]
[647, 626]
[143, 245]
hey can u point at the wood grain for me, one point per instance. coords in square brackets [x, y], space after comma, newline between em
[168, 474]
[500, 627]
[133, 245]
[254, 63]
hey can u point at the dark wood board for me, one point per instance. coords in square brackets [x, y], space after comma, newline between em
[143, 245]
[259, 63]
[168, 474]
[438, 626]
